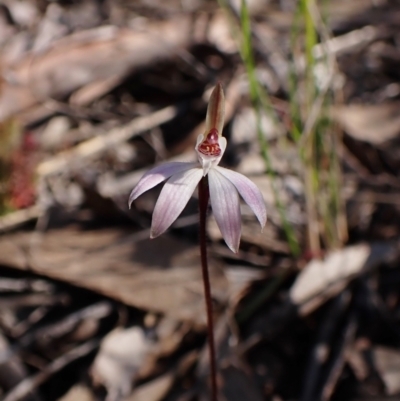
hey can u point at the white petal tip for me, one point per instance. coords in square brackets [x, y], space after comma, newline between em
[234, 250]
[132, 197]
[154, 233]
[233, 247]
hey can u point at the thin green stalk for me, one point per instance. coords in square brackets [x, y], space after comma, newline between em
[260, 101]
[310, 42]
[317, 143]
[294, 92]
[311, 150]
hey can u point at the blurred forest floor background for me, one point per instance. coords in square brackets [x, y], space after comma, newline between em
[95, 92]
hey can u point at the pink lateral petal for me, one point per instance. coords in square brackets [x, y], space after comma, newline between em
[173, 199]
[226, 208]
[249, 192]
[156, 175]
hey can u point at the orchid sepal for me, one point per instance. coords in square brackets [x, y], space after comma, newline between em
[156, 176]
[216, 111]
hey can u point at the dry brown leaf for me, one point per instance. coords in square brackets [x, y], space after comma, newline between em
[154, 390]
[78, 392]
[375, 124]
[161, 275]
[122, 352]
[387, 361]
[90, 56]
[244, 128]
[219, 33]
[322, 279]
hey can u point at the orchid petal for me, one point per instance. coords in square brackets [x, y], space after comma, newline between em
[173, 199]
[249, 192]
[226, 208]
[156, 175]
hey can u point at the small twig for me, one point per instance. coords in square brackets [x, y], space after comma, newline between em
[34, 317]
[31, 300]
[15, 219]
[27, 385]
[58, 329]
[204, 196]
[339, 361]
[98, 310]
[322, 348]
[111, 186]
[20, 285]
[99, 144]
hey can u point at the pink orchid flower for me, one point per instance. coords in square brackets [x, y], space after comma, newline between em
[224, 184]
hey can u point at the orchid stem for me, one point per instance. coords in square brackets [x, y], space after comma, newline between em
[204, 196]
